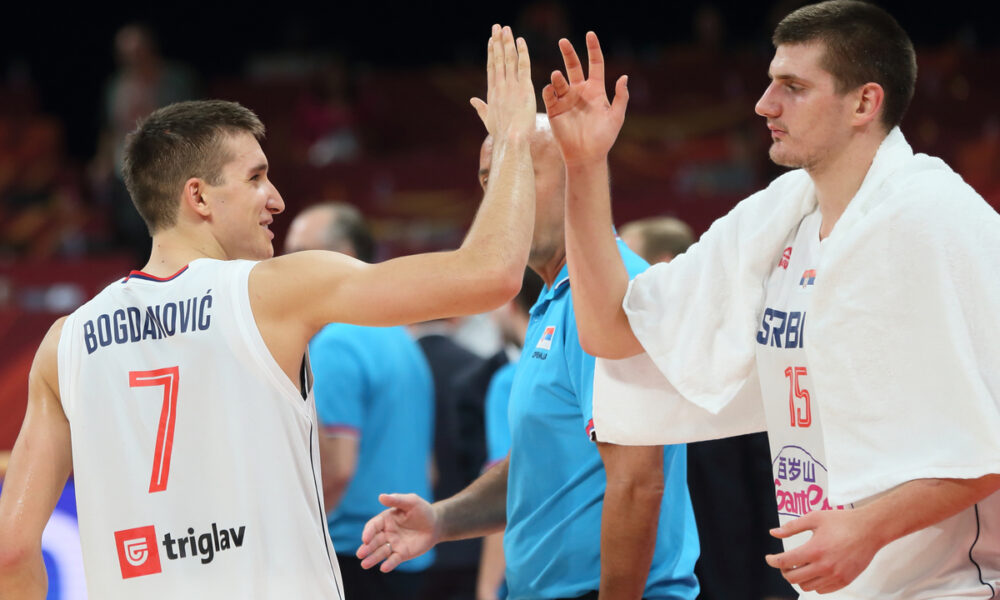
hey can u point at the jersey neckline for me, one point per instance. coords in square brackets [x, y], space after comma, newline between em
[136, 274]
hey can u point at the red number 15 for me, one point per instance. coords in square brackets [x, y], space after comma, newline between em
[800, 416]
[169, 378]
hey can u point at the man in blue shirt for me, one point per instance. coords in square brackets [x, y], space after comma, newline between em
[581, 518]
[374, 399]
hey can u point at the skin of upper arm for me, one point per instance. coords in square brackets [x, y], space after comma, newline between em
[633, 466]
[325, 287]
[338, 463]
[41, 459]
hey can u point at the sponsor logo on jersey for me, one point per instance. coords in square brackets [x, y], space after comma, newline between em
[785, 256]
[138, 553]
[545, 342]
[800, 483]
[808, 278]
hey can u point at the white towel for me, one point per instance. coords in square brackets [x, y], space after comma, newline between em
[903, 341]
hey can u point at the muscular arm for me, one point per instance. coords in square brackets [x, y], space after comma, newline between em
[844, 542]
[39, 465]
[630, 517]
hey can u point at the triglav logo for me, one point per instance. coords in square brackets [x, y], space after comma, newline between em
[137, 551]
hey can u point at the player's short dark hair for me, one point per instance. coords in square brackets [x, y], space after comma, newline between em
[175, 143]
[863, 44]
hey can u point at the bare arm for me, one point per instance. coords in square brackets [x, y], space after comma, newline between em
[339, 461]
[482, 274]
[843, 543]
[630, 518]
[39, 465]
[412, 526]
[491, 567]
[586, 125]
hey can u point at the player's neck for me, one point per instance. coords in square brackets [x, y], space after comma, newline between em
[839, 178]
[174, 248]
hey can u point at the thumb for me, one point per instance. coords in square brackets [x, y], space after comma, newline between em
[620, 100]
[804, 523]
[403, 502]
[480, 107]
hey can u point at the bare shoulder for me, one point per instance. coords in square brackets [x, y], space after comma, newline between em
[299, 268]
[45, 367]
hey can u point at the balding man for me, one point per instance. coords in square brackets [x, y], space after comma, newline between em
[579, 518]
[375, 402]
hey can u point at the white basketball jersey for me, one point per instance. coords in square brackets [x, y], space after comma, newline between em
[955, 558]
[196, 458]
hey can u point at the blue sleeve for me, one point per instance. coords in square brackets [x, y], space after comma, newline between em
[341, 378]
[497, 424]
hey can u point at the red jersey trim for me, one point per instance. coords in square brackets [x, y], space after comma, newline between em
[148, 277]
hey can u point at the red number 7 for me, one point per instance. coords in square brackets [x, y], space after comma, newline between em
[167, 377]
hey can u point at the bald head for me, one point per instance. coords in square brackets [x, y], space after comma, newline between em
[550, 187]
[331, 226]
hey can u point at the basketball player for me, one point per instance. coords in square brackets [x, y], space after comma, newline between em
[859, 289]
[180, 395]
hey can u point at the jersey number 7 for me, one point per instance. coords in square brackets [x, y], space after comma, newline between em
[169, 378]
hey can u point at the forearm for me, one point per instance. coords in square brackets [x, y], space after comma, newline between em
[920, 503]
[480, 509]
[22, 574]
[630, 517]
[499, 238]
[595, 266]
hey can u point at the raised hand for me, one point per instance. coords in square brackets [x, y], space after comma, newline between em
[509, 108]
[841, 547]
[584, 123]
[407, 529]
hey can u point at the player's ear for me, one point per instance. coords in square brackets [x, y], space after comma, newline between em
[193, 197]
[868, 106]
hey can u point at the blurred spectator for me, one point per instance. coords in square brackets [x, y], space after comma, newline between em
[325, 119]
[144, 82]
[374, 401]
[729, 479]
[657, 239]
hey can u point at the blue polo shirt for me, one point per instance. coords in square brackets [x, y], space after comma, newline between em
[495, 414]
[374, 383]
[556, 481]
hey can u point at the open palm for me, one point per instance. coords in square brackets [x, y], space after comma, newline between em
[584, 123]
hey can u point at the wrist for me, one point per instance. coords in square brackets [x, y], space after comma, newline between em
[587, 167]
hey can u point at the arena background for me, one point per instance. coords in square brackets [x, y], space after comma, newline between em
[368, 103]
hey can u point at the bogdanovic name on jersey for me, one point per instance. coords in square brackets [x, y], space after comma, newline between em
[131, 324]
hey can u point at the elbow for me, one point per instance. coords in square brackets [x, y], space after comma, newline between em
[499, 287]
[15, 556]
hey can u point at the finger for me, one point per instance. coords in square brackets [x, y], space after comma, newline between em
[377, 555]
[559, 84]
[401, 501]
[793, 527]
[787, 560]
[497, 51]
[523, 61]
[373, 526]
[480, 107]
[549, 99]
[391, 562]
[620, 100]
[595, 71]
[574, 70]
[803, 573]
[491, 76]
[509, 53]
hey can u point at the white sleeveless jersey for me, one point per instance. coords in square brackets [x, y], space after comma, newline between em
[196, 458]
